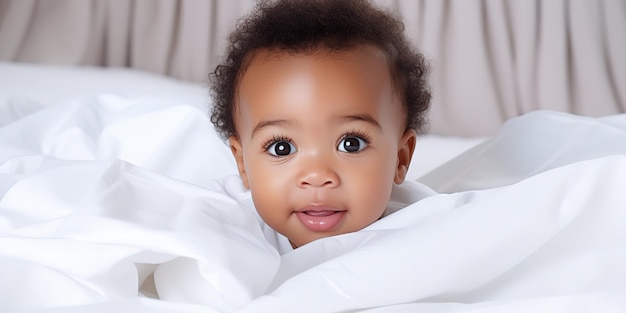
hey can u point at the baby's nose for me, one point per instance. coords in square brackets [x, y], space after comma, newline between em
[318, 176]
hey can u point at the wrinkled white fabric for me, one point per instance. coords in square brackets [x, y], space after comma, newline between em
[118, 206]
[165, 135]
[554, 240]
[89, 227]
[528, 145]
[546, 244]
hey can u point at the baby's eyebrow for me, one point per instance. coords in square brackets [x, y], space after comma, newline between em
[344, 118]
[361, 117]
[263, 124]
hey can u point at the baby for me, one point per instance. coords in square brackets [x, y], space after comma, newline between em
[321, 102]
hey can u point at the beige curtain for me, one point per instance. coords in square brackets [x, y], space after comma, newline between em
[496, 59]
[180, 38]
[492, 59]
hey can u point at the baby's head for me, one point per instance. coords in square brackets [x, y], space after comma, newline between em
[321, 102]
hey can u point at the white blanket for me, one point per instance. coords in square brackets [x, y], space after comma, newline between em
[112, 205]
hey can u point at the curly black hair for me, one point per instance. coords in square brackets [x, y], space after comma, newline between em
[305, 26]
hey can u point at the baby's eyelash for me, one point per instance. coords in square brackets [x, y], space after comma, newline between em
[358, 133]
[274, 139]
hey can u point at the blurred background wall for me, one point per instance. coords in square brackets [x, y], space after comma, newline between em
[491, 59]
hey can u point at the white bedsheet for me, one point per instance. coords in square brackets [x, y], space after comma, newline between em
[104, 195]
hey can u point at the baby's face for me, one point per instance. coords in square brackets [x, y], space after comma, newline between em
[321, 140]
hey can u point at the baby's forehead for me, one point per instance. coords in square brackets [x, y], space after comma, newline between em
[369, 62]
[362, 65]
[358, 76]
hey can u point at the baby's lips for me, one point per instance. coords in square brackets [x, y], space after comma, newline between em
[319, 213]
[319, 209]
[319, 218]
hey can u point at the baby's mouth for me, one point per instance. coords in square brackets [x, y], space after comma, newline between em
[320, 219]
[320, 213]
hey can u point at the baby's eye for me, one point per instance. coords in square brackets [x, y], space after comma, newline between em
[281, 148]
[351, 144]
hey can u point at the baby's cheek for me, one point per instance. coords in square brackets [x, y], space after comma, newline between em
[266, 205]
[374, 186]
[268, 187]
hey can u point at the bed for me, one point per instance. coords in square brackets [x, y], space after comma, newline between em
[110, 200]
[117, 195]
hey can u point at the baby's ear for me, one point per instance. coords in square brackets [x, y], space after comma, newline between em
[406, 146]
[235, 148]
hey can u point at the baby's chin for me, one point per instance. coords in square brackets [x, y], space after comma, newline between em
[299, 241]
